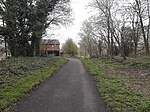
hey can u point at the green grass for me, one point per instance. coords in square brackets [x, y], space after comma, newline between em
[117, 95]
[18, 76]
[141, 63]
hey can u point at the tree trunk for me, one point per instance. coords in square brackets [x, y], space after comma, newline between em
[123, 44]
[37, 47]
[108, 39]
[147, 51]
[100, 47]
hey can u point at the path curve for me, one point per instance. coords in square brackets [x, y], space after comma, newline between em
[71, 89]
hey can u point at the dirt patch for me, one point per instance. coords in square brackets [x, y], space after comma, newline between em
[144, 73]
[135, 78]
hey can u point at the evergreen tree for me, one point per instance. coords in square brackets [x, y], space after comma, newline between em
[25, 21]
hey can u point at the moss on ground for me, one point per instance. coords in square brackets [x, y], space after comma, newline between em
[18, 76]
[113, 87]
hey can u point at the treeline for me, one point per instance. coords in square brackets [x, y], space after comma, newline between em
[23, 23]
[70, 48]
[118, 27]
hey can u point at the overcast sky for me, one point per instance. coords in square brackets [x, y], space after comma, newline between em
[80, 14]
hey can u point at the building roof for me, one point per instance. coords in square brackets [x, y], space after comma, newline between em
[50, 42]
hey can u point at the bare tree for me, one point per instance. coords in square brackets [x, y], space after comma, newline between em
[61, 15]
[86, 37]
[105, 9]
[118, 27]
[135, 25]
[140, 9]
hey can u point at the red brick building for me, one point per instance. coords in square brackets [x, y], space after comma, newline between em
[50, 47]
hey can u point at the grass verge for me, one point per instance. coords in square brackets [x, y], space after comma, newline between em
[114, 90]
[18, 76]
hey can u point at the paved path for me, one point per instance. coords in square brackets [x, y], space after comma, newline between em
[69, 90]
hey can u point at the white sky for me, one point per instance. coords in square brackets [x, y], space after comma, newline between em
[81, 13]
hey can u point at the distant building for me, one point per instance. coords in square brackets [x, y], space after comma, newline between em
[50, 47]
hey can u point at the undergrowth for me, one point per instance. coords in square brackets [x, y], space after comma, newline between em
[18, 76]
[118, 96]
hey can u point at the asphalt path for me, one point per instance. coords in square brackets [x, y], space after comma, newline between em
[71, 89]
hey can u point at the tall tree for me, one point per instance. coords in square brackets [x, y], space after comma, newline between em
[86, 35]
[105, 9]
[26, 21]
[141, 6]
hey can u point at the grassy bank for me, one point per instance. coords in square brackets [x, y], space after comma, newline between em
[121, 86]
[18, 76]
